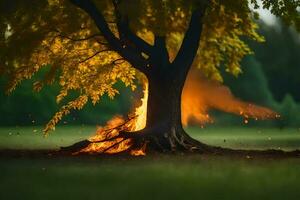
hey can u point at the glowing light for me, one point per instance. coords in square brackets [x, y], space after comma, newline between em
[102, 142]
[200, 95]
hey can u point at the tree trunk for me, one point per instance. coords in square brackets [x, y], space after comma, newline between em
[163, 127]
[166, 80]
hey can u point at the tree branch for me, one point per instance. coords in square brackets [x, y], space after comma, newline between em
[161, 46]
[134, 58]
[139, 42]
[124, 31]
[93, 55]
[93, 36]
[118, 61]
[190, 43]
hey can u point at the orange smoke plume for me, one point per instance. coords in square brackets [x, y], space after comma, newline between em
[200, 95]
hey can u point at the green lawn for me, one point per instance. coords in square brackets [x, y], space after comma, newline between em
[238, 138]
[154, 176]
[33, 138]
[249, 138]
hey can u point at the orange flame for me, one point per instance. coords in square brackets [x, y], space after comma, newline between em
[200, 95]
[102, 144]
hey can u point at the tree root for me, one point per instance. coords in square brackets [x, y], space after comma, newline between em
[176, 141]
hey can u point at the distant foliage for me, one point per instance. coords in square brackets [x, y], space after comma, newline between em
[279, 56]
[26, 107]
[287, 10]
[290, 112]
[252, 85]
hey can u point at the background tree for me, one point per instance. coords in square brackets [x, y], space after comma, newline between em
[282, 65]
[104, 41]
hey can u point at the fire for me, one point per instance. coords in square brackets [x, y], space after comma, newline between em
[137, 121]
[141, 111]
[200, 95]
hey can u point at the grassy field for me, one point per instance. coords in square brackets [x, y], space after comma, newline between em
[238, 138]
[249, 138]
[154, 176]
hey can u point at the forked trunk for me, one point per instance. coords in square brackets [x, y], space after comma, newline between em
[166, 79]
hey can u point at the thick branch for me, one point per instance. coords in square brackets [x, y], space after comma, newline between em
[161, 47]
[141, 45]
[124, 31]
[159, 57]
[190, 43]
[136, 60]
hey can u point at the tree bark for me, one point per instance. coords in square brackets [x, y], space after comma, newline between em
[163, 127]
[166, 80]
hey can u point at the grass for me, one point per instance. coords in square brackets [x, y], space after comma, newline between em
[238, 138]
[249, 138]
[164, 177]
[154, 176]
[33, 138]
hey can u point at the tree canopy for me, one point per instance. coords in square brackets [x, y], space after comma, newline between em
[58, 34]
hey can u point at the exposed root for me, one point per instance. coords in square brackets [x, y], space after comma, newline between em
[76, 147]
[115, 141]
[172, 142]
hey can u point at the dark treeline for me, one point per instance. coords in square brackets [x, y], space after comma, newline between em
[270, 78]
[253, 86]
[26, 107]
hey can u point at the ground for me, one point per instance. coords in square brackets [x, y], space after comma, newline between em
[154, 176]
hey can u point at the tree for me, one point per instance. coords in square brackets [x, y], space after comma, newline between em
[252, 85]
[92, 44]
[280, 66]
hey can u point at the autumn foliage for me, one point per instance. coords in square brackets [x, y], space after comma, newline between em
[56, 33]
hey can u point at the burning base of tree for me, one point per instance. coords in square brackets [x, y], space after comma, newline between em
[111, 138]
[199, 95]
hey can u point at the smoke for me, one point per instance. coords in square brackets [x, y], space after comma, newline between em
[201, 95]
